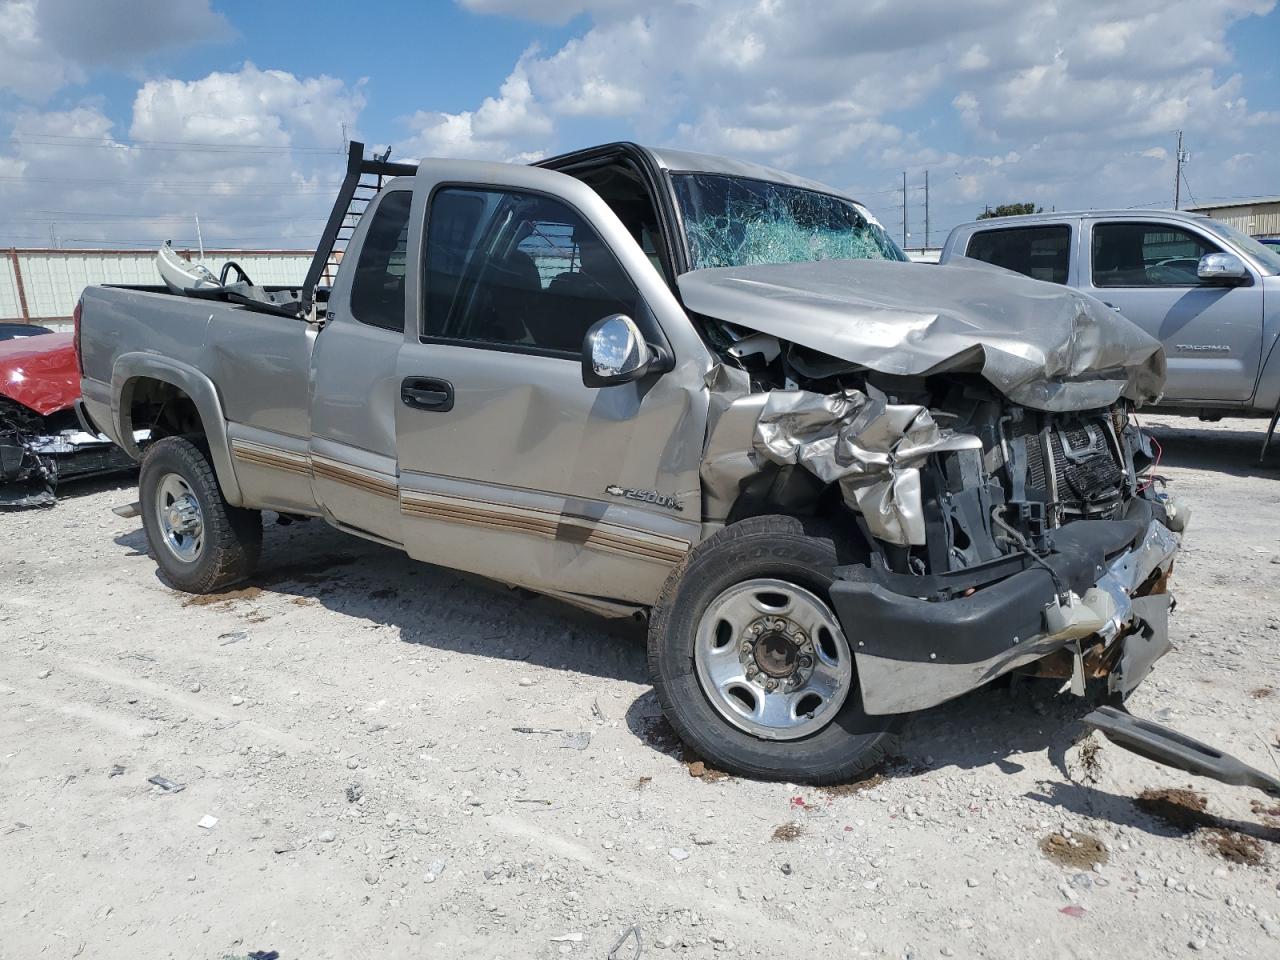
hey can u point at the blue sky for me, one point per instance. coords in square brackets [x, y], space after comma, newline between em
[121, 121]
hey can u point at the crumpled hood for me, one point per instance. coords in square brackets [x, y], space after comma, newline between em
[40, 372]
[1040, 344]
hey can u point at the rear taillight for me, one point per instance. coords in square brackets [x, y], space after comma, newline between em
[75, 317]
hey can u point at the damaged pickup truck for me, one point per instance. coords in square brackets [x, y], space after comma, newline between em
[842, 487]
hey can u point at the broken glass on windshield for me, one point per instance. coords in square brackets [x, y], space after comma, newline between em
[737, 221]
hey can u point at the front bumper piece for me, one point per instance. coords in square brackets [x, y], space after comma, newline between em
[913, 653]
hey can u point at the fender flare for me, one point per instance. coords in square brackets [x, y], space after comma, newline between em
[131, 367]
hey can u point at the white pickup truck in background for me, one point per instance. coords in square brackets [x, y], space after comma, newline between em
[1209, 293]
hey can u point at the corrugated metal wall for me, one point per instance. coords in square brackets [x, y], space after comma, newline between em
[1257, 220]
[52, 280]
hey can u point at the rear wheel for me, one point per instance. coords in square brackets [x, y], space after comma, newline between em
[200, 542]
[751, 664]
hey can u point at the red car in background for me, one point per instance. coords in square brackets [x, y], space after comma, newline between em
[42, 440]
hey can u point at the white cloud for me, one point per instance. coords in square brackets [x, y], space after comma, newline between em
[118, 31]
[28, 68]
[488, 133]
[46, 45]
[1066, 102]
[257, 154]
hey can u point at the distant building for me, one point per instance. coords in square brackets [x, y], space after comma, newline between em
[42, 285]
[1259, 217]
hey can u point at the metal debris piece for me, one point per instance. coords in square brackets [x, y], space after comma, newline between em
[207, 822]
[115, 771]
[354, 792]
[576, 741]
[630, 932]
[167, 785]
[542, 731]
[234, 636]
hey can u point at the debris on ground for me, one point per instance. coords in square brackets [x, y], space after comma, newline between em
[167, 785]
[115, 771]
[1234, 846]
[1184, 810]
[354, 792]
[615, 952]
[207, 822]
[788, 832]
[699, 770]
[853, 787]
[1079, 850]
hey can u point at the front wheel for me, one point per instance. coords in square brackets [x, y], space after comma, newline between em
[751, 664]
[200, 542]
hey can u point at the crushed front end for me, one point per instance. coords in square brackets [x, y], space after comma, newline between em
[1047, 546]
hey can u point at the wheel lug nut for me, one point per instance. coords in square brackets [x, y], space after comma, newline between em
[771, 685]
[806, 661]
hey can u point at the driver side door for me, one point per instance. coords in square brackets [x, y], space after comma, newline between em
[1212, 334]
[510, 466]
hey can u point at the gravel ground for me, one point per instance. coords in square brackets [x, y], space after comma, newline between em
[402, 761]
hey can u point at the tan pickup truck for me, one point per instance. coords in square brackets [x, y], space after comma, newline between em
[842, 487]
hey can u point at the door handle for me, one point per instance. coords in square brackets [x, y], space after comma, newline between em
[1111, 305]
[427, 393]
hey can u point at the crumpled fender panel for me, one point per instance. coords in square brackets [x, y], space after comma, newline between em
[1041, 345]
[872, 448]
[40, 372]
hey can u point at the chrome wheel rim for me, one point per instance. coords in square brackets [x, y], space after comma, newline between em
[180, 518]
[772, 659]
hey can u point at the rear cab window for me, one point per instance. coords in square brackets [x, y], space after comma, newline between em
[1039, 252]
[377, 291]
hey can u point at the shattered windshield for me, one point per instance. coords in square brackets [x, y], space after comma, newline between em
[737, 221]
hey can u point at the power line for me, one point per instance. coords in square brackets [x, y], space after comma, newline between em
[70, 140]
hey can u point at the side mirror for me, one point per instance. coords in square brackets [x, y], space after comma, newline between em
[1223, 268]
[614, 351]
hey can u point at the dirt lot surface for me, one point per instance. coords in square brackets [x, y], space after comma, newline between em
[383, 759]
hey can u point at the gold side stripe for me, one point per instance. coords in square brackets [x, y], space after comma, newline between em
[600, 537]
[605, 535]
[329, 470]
[464, 504]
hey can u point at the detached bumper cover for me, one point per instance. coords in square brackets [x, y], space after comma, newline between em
[914, 653]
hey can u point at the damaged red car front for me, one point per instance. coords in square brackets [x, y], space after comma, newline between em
[42, 440]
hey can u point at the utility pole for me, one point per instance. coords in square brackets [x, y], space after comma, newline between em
[199, 237]
[1177, 176]
[926, 209]
[904, 209]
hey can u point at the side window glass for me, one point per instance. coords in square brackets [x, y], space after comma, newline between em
[1146, 255]
[517, 270]
[1042, 253]
[377, 292]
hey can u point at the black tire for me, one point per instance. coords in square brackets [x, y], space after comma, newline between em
[232, 537]
[775, 547]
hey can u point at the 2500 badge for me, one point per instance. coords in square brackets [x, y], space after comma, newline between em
[644, 496]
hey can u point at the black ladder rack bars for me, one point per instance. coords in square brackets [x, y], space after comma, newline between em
[357, 166]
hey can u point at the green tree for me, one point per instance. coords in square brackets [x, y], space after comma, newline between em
[1009, 210]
